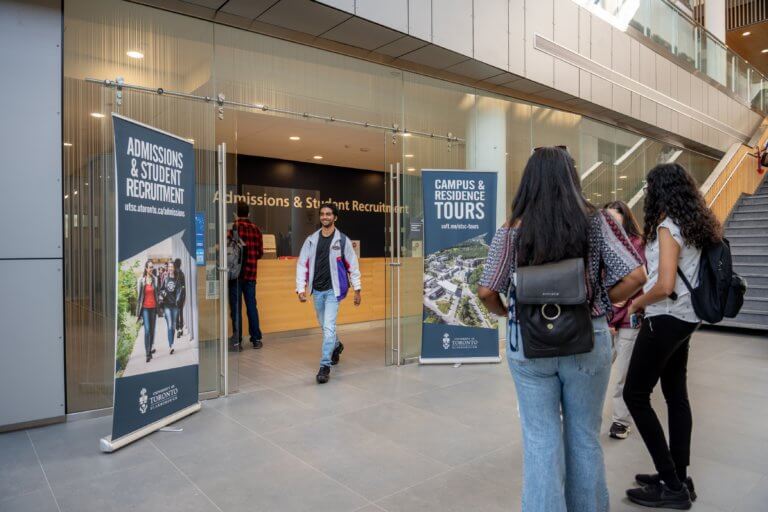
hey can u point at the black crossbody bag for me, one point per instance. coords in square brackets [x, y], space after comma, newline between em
[553, 310]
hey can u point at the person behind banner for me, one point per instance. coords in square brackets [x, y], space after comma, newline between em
[183, 299]
[171, 291]
[245, 284]
[327, 263]
[560, 398]
[146, 306]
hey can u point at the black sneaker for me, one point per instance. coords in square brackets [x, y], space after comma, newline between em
[323, 375]
[337, 353]
[257, 344]
[236, 347]
[655, 479]
[661, 496]
[619, 431]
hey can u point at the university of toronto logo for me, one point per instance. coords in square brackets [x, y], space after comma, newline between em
[446, 341]
[143, 399]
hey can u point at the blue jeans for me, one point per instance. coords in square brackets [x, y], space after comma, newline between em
[563, 467]
[247, 289]
[327, 308]
[171, 317]
[148, 316]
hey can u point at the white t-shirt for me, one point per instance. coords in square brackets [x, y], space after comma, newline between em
[682, 308]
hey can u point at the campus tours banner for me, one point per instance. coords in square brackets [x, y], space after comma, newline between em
[459, 224]
[156, 337]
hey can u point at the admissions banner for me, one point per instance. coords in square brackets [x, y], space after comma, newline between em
[459, 223]
[156, 338]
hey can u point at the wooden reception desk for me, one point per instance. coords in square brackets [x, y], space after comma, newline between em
[280, 309]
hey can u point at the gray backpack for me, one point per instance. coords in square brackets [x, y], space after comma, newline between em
[235, 254]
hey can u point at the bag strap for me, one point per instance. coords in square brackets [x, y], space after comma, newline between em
[685, 279]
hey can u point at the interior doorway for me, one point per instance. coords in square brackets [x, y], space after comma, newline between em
[284, 168]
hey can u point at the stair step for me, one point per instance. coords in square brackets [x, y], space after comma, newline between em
[746, 207]
[754, 257]
[756, 304]
[755, 291]
[761, 215]
[760, 269]
[747, 223]
[756, 199]
[754, 279]
[759, 231]
[731, 322]
[750, 318]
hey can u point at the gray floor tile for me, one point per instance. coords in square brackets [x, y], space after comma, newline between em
[379, 469]
[70, 451]
[503, 467]
[37, 501]
[451, 492]
[388, 382]
[266, 410]
[20, 471]
[755, 499]
[202, 430]
[322, 439]
[335, 397]
[721, 485]
[254, 475]
[443, 439]
[155, 486]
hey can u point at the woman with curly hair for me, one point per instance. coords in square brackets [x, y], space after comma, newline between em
[678, 225]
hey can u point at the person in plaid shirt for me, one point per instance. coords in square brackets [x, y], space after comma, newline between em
[245, 285]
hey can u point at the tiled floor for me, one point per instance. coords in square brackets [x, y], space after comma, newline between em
[395, 439]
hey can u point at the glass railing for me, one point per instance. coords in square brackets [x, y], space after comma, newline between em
[687, 42]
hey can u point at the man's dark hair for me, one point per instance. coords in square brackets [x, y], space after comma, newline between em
[242, 209]
[177, 263]
[331, 207]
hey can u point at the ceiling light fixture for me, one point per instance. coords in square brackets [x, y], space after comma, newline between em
[318, 157]
[745, 34]
[135, 54]
[97, 115]
[765, 50]
[405, 134]
[622, 177]
[294, 137]
[411, 169]
[408, 156]
[67, 144]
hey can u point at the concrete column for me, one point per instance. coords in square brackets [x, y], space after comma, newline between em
[714, 18]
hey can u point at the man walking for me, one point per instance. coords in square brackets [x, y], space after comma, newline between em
[245, 284]
[327, 263]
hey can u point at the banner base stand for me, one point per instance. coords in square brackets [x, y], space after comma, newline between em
[108, 446]
[462, 360]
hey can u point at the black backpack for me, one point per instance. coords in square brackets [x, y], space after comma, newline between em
[720, 292]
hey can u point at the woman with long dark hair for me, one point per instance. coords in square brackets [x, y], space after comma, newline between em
[146, 306]
[171, 290]
[624, 333]
[678, 225]
[561, 398]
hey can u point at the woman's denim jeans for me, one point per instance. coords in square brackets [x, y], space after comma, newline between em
[563, 466]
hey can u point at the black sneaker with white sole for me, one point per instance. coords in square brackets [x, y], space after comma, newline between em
[661, 496]
[323, 375]
[337, 353]
[655, 479]
[619, 431]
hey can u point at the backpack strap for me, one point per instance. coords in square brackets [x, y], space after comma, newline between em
[687, 283]
[343, 241]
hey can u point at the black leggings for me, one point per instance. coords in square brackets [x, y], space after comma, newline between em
[661, 352]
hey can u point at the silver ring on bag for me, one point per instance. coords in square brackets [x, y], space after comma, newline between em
[550, 318]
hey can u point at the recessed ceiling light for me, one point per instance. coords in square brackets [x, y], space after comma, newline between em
[619, 189]
[408, 156]
[622, 177]
[405, 134]
[135, 54]
[411, 169]
[294, 137]
[97, 115]
[318, 157]
[598, 195]
[67, 144]
[75, 192]
[66, 196]
[765, 50]
[745, 34]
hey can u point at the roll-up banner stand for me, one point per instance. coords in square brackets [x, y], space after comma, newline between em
[156, 337]
[459, 224]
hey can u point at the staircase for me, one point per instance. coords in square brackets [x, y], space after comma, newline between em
[747, 230]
